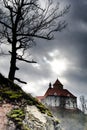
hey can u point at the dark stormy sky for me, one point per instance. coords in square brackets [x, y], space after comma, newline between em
[64, 58]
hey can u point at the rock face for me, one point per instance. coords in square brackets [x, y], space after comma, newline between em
[37, 121]
[34, 119]
[4, 109]
[21, 111]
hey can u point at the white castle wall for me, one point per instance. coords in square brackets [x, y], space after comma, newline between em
[52, 101]
[55, 101]
[71, 103]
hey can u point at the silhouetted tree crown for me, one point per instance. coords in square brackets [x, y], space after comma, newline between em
[22, 21]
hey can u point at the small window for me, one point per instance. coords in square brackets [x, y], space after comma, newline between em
[68, 95]
[55, 94]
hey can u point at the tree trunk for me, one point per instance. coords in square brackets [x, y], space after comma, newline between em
[12, 70]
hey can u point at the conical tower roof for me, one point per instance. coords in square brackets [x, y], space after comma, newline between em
[58, 85]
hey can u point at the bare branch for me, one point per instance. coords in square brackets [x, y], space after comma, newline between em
[21, 59]
[23, 82]
[6, 25]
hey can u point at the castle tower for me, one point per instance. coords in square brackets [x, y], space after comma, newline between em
[57, 85]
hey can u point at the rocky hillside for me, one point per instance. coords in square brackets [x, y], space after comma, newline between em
[21, 111]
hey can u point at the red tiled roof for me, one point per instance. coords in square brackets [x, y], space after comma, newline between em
[58, 92]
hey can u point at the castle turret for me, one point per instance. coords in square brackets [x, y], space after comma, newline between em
[50, 85]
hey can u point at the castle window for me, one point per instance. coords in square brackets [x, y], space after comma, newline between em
[55, 94]
[68, 95]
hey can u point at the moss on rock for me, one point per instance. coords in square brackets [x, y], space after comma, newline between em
[13, 94]
[17, 116]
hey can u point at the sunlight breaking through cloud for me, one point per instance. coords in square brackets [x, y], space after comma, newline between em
[58, 66]
[58, 63]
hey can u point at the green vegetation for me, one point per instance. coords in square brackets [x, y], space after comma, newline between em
[43, 109]
[1, 98]
[57, 121]
[25, 127]
[49, 113]
[17, 116]
[13, 94]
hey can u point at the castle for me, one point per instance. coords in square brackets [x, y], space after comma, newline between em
[57, 96]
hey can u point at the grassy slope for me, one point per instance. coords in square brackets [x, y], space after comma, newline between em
[12, 93]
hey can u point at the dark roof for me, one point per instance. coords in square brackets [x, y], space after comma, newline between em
[58, 84]
[58, 92]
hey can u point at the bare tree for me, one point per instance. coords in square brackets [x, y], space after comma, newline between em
[22, 21]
